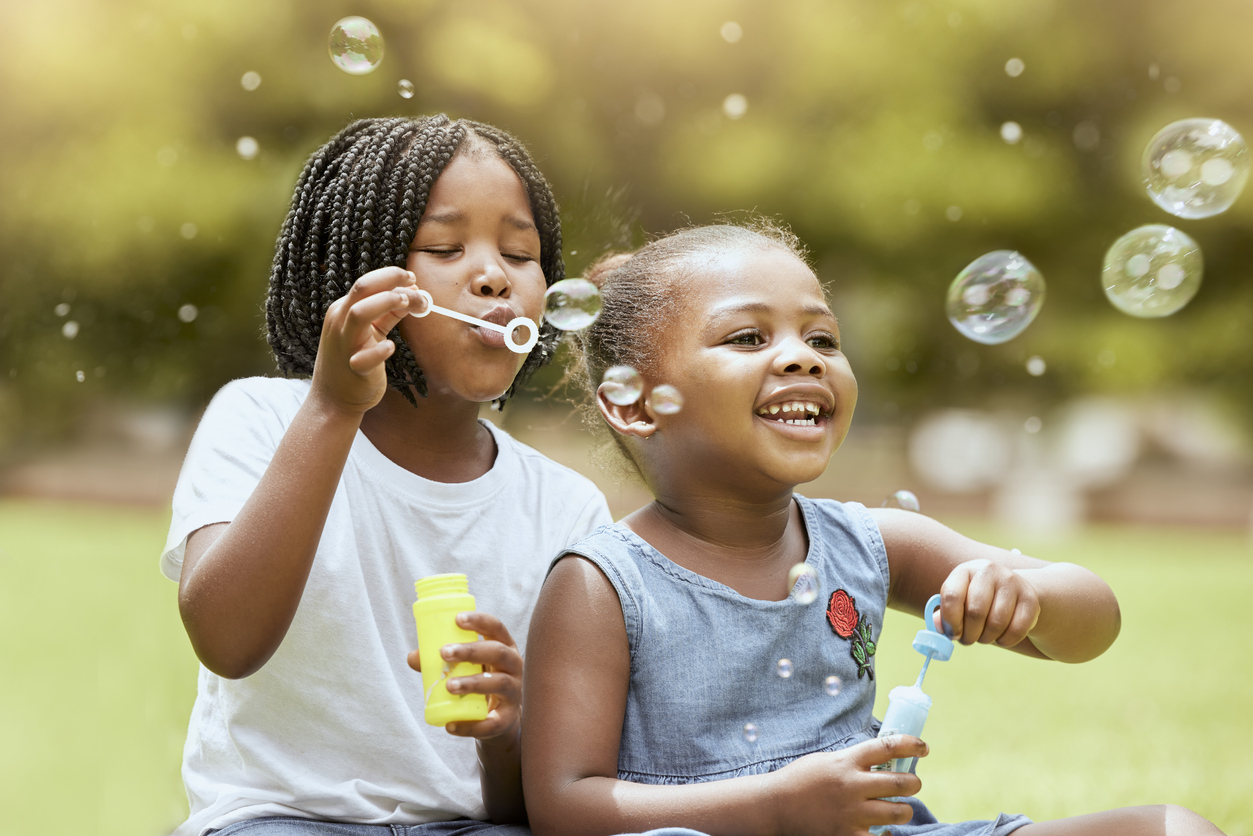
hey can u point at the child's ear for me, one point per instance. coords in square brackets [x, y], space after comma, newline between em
[632, 419]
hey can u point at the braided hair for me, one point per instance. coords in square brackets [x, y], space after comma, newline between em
[356, 208]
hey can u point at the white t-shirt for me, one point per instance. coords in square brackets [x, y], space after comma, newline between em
[332, 727]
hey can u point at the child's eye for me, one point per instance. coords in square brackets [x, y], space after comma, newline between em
[436, 250]
[824, 342]
[750, 338]
[521, 258]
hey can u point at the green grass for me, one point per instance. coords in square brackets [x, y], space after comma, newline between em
[98, 680]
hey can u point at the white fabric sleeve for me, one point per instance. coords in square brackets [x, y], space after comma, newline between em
[593, 515]
[230, 451]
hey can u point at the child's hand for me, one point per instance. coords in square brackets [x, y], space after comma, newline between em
[501, 680]
[987, 602]
[354, 344]
[836, 793]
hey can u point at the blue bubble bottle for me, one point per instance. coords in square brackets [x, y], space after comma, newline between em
[908, 706]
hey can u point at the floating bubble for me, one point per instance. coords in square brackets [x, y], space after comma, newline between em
[1036, 366]
[996, 297]
[250, 80]
[1011, 132]
[750, 732]
[80, 376]
[731, 32]
[188, 313]
[905, 500]
[802, 580]
[783, 668]
[355, 45]
[622, 385]
[69, 330]
[1014, 67]
[571, 304]
[665, 399]
[247, 147]
[405, 88]
[1152, 271]
[62, 309]
[735, 105]
[832, 686]
[188, 230]
[1195, 168]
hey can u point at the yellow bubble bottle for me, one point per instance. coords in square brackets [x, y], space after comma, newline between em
[440, 598]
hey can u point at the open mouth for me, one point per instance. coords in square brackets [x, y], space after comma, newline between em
[795, 413]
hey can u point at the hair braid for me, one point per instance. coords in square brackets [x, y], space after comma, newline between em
[356, 208]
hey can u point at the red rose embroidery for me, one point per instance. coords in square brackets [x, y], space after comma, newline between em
[842, 613]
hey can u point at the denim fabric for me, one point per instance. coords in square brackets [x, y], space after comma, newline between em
[705, 661]
[287, 826]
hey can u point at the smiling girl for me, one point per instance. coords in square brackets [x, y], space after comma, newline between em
[307, 506]
[653, 694]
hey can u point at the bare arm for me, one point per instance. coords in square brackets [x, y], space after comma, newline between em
[1047, 610]
[242, 581]
[576, 680]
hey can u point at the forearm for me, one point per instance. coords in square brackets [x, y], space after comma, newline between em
[1079, 615]
[597, 805]
[237, 597]
[500, 776]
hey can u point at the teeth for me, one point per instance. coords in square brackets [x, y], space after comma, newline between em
[793, 406]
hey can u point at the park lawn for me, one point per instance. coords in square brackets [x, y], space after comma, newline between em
[99, 680]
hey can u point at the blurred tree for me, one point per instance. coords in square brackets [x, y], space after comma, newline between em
[875, 130]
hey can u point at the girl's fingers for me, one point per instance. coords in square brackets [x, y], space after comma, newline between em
[368, 358]
[883, 749]
[1004, 605]
[489, 683]
[1025, 616]
[376, 281]
[953, 600]
[379, 308]
[486, 625]
[499, 657]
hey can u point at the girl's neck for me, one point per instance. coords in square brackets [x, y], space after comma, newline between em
[747, 546]
[440, 439]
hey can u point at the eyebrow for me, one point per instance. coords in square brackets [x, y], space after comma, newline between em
[762, 307]
[454, 217]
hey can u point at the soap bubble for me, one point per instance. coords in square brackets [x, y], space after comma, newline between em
[1014, 67]
[250, 80]
[80, 376]
[1011, 132]
[571, 304]
[832, 686]
[188, 313]
[750, 732]
[1152, 271]
[1195, 168]
[904, 500]
[69, 330]
[996, 297]
[1036, 365]
[622, 385]
[783, 668]
[802, 580]
[665, 399]
[356, 46]
[405, 88]
[735, 105]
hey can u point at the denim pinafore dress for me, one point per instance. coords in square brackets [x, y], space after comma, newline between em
[722, 685]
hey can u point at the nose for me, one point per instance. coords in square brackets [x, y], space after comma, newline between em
[489, 278]
[796, 356]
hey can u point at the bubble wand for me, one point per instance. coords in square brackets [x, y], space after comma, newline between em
[507, 330]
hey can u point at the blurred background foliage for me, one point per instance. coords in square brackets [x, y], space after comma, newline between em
[873, 129]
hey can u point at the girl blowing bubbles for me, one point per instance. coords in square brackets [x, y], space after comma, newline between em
[655, 640]
[307, 507]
